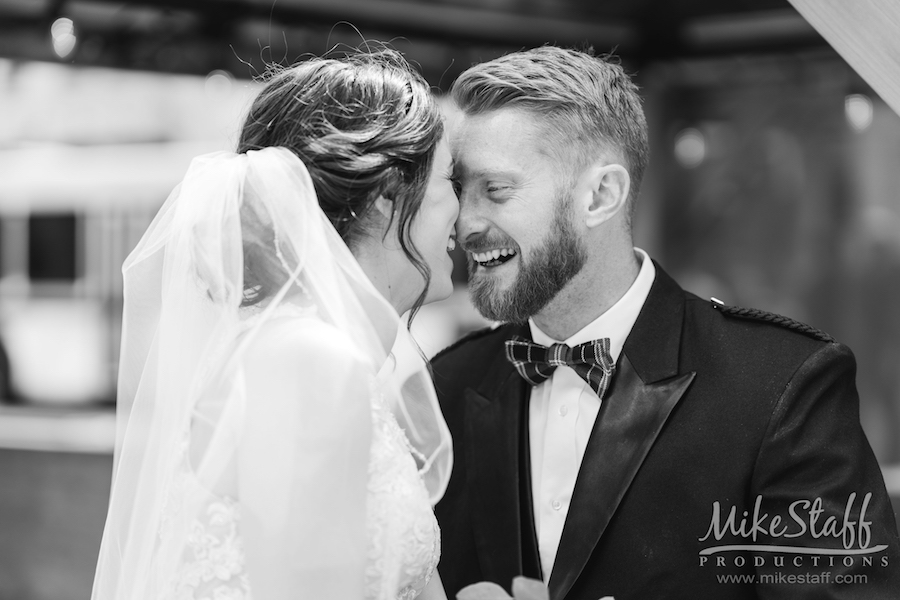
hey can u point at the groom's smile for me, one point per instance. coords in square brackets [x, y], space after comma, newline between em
[493, 258]
[491, 253]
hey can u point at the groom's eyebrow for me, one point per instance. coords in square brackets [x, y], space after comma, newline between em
[457, 171]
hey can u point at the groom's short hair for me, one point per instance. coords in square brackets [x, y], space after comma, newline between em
[588, 102]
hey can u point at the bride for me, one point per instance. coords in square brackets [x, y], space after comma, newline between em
[270, 445]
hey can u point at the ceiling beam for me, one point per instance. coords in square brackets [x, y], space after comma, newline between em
[241, 36]
[440, 21]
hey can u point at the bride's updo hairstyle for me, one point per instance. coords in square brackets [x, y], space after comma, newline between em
[365, 125]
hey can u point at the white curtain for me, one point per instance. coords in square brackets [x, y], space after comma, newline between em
[866, 33]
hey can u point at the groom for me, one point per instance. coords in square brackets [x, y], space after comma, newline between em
[620, 436]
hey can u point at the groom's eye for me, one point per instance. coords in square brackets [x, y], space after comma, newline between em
[496, 189]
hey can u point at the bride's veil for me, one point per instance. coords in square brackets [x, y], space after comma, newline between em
[237, 250]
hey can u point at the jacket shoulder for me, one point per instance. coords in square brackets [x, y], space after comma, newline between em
[761, 316]
[466, 340]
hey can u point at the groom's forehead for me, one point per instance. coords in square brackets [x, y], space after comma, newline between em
[501, 129]
[483, 146]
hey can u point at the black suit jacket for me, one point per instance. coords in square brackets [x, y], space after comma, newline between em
[706, 410]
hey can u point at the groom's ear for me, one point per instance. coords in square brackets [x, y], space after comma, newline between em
[608, 185]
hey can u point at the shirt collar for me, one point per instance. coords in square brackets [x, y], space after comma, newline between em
[617, 322]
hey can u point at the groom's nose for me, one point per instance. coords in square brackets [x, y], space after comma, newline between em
[471, 222]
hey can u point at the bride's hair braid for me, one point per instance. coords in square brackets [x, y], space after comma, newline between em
[366, 125]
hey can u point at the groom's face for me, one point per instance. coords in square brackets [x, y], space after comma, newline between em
[515, 221]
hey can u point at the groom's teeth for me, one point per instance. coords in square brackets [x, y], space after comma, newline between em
[492, 255]
[451, 245]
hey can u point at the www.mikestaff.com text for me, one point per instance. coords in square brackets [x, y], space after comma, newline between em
[795, 578]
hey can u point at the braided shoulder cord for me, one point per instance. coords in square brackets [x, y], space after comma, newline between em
[754, 314]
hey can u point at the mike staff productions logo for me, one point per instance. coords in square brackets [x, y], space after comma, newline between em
[757, 533]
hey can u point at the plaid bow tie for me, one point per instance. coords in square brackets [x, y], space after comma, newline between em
[535, 363]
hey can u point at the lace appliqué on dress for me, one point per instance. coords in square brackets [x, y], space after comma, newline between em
[404, 537]
[213, 567]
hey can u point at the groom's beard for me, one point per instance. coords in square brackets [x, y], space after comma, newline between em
[540, 278]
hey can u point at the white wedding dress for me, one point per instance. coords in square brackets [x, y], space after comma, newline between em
[403, 534]
[290, 449]
[404, 538]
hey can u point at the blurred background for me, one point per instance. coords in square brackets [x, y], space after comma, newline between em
[773, 184]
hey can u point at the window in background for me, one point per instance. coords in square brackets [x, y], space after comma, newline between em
[52, 247]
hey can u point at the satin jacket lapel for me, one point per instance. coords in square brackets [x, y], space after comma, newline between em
[629, 421]
[645, 389]
[494, 413]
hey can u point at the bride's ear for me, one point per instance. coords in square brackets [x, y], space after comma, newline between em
[382, 219]
[385, 206]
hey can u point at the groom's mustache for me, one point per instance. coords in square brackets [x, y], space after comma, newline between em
[485, 242]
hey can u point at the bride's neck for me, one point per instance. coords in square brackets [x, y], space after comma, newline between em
[377, 263]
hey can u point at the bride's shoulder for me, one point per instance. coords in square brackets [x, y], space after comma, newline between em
[297, 341]
[299, 373]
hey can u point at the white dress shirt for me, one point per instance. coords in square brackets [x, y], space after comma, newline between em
[562, 412]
